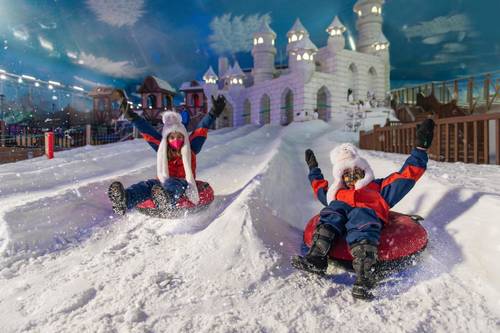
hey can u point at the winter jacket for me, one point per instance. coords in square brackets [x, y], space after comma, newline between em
[197, 138]
[379, 195]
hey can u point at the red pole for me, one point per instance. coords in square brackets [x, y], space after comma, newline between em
[49, 145]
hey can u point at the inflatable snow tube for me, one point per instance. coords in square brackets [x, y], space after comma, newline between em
[402, 237]
[183, 206]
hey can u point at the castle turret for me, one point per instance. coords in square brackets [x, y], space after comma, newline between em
[368, 24]
[263, 53]
[295, 34]
[210, 77]
[336, 40]
[235, 77]
[301, 57]
[381, 47]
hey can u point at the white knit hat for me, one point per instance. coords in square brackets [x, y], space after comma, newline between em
[343, 157]
[172, 122]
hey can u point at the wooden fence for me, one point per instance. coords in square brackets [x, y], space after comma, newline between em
[470, 139]
[480, 92]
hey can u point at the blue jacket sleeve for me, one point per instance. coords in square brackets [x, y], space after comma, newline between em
[395, 186]
[319, 185]
[199, 135]
[151, 135]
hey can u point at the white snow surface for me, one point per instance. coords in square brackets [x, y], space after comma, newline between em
[68, 264]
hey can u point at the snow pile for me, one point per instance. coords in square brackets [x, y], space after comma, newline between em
[70, 265]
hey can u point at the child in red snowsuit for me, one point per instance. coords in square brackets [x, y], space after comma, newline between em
[176, 160]
[357, 206]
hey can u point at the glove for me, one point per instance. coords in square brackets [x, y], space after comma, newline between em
[425, 133]
[218, 105]
[119, 94]
[311, 159]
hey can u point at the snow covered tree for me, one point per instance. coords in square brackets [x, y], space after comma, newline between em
[232, 34]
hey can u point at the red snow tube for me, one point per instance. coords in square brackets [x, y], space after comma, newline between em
[205, 192]
[401, 237]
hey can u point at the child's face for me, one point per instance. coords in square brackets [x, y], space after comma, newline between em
[175, 136]
[351, 177]
[175, 140]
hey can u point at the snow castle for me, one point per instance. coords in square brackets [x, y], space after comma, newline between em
[316, 80]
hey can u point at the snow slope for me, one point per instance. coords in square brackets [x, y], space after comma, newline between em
[69, 265]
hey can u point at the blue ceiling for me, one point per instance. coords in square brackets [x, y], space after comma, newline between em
[119, 42]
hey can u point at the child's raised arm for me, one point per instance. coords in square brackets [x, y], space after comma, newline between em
[395, 186]
[147, 131]
[318, 182]
[199, 135]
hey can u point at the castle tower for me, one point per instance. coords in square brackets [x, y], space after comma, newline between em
[235, 77]
[295, 34]
[381, 47]
[368, 24]
[336, 40]
[263, 53]
[301, 57]
[210, 79]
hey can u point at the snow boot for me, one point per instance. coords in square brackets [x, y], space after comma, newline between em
[118, 197]
[316, 259]
[161, 198]
[365, 257]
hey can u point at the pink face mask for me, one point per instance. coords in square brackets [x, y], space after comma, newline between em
[176, 143]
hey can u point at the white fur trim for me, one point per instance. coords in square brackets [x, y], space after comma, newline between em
[172, 122]
[346, 156]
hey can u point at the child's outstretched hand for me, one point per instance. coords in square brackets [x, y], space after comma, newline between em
[218, 105]
[311, 159]
[425, 134]
[120, 96]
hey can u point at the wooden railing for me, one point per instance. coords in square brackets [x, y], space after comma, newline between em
[471, 139]
[481, 91]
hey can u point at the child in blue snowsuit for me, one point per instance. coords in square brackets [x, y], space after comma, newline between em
[357, 206]
[176, 160]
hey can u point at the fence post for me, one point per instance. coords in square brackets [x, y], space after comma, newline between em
[135, 133]
[49, 145]
[497, 139]
[470, 94]
[88, 135]
[486, 90]
[2, 133]
[377, 143]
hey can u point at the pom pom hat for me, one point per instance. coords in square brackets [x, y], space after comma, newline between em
[344, 157]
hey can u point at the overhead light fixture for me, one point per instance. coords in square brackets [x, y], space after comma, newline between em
[3, 77]
[20, 80]
[37, 84]
[54, 83]
[2, 71]
[78, 88]
[51, 87]
[28, 77]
